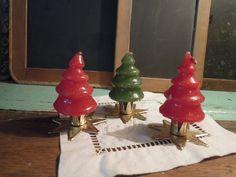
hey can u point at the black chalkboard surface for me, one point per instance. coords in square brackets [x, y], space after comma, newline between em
[221, 46]
[220, 65]
[58, 29]
[45, 34]
[161, 32]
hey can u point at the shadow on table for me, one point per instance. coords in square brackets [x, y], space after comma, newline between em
[138, 133]
[33, 127]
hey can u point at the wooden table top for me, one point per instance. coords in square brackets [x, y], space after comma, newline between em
[26, 150]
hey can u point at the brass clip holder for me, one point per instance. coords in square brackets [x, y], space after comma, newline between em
[125, 111]
[76, 124]
[179, 133]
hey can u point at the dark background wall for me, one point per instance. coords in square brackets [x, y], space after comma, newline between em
[221, 48]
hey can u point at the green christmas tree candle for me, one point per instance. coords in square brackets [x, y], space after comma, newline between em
[126, 85]
[126, 89]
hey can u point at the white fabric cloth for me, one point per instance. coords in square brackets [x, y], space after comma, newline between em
[128, 148]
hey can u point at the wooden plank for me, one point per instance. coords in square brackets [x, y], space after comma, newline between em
[27, 150]
[219, 84]
[17, 39]
[46, 76]
[123, 30]
[200, 38]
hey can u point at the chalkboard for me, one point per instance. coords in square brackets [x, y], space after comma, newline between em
[46, 34]
[220, 65]
[58, 29]
[221, 46]
[161, 31]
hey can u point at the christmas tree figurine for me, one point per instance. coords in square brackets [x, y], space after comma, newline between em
[75, 100]
[183, 106]
[126, 90]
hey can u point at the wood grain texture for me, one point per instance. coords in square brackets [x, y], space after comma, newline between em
[28, 151]
[123, 30]
[219, 84]
[200, 38]
[17, 38]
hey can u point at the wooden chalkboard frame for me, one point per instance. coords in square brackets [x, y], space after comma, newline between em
[219, 84]
[199, 48]
[18, 52]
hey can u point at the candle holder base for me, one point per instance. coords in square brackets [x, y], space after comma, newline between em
[179, 135]
[125, 111]
[76, 124]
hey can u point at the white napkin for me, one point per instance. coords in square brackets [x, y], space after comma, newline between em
[128, 149]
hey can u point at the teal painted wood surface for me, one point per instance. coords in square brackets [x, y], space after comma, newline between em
[220, 105]
[31, 97]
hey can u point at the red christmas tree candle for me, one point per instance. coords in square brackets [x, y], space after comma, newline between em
[184, 98]
[74, 91]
